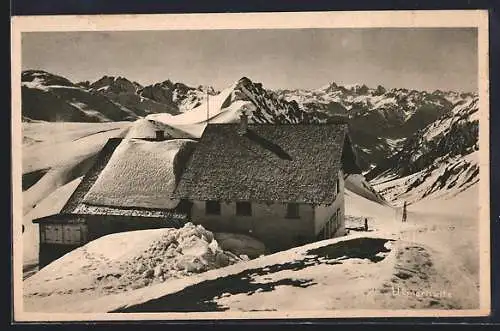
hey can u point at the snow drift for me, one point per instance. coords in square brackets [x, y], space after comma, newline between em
[124, 261]
[356, 183]
[63, 151]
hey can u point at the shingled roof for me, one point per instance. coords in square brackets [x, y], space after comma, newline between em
[269, 163]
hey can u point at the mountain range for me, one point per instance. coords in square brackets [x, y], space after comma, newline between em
[397, 133]
[49, 97]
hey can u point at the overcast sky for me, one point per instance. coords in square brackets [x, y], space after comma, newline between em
[423, 59]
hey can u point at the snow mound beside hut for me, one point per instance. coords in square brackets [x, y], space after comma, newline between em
[125, 261]
[240, 244]
[177, 253]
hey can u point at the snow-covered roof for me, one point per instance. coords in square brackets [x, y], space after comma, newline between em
[76, 206]
[140, 174]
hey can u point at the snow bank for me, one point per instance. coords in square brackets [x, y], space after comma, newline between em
[381, 217]
[143, 128]
[310, 271]
[139, 174]
[177, 253]
[65, 151]
[357, 184]
[125, 261]
[240, 244]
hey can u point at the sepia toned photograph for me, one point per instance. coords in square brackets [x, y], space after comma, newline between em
[251, 166]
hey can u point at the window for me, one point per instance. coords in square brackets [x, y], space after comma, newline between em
[337, 184]
[243, 209]
[212, 207]
[292, 210]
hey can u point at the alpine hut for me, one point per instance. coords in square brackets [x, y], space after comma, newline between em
[281, 183]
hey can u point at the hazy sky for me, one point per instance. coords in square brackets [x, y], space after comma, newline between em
[425, 59]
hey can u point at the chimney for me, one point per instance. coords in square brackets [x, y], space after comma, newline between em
[243, 127]
[160, 135]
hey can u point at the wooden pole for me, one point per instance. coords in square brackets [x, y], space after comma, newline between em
[208, 118]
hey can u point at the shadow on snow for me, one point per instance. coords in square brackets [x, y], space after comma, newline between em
[202, 296]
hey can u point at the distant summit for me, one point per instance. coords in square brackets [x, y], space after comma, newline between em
[40, 78]
[178, 96]
[115, 85]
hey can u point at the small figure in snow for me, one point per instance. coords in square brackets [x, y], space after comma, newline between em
[366, 224]
[404, 212]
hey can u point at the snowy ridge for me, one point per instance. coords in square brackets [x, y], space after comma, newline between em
[380, 119]
[54, 98]
[466, 110]
[261, 105]
[359, 98]
[446, 179]
[440, 159]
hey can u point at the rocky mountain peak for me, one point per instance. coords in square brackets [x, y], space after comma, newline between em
[45, 78]
[115, 85]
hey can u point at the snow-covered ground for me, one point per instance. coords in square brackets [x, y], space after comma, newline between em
[124, 261]
[383, 268]
[413, 265]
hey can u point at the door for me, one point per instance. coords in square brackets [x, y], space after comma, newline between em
[53, 233]
[72, 234]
